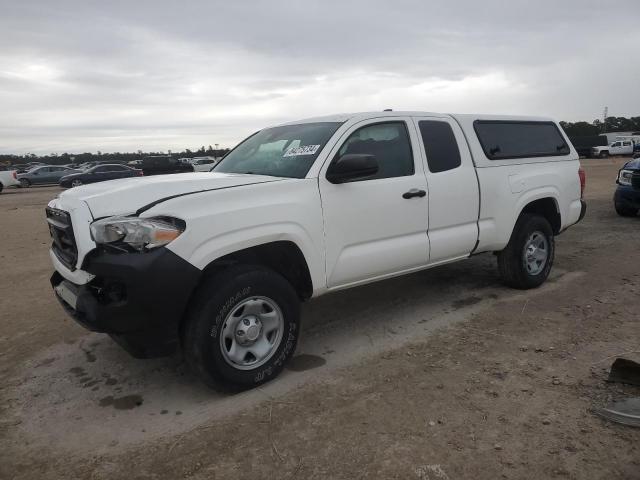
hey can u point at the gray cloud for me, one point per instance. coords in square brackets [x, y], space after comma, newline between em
[157, 75]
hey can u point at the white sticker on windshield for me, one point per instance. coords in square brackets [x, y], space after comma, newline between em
[304, 150]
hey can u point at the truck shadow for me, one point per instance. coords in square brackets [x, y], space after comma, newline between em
[103, 395]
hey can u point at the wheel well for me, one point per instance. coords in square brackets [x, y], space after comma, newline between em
[547, 208]
[283, 257]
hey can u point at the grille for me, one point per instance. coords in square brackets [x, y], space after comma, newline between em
[64, 243]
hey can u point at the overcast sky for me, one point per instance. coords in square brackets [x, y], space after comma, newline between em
[155, 75]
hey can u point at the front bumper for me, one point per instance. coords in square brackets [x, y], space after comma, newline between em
[137, 298]
[627, 196]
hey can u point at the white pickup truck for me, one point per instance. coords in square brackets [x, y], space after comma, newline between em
[619, 147]
[219, 262]
[8, 178]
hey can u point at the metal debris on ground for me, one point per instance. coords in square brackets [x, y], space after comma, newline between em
[626, 412]
[625, 371]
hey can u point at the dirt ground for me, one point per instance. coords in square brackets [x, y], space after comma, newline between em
[442, 374]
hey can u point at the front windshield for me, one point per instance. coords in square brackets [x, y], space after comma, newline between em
[286, 151]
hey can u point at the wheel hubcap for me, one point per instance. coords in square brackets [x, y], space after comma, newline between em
[536, 253]
[251, 333]
[76, 183]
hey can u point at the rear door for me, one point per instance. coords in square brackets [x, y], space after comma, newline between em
[454, 197]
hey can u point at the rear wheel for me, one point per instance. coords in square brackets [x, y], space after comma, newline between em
[625, 211]
[76, 183]
[527, 259]
[24, 183]
[243, 327]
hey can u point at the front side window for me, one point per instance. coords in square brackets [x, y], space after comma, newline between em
[388, 142]
[440, 145]
[285, 151]
[505, 139]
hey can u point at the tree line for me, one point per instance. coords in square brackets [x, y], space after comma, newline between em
[572, 129]
[116, 157]
[598, 127]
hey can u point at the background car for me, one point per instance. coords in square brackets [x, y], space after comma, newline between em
[49, 174]
[163, 164]
[627, 197]
[203, 164]
[99, 173]
[8, 178]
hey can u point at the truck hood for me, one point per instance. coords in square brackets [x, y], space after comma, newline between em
[633, 164]
[129, 195]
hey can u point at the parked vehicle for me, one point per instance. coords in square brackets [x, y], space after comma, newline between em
[203, 164]
[219, 263]
[619, 147]
[8, 178]
[99, 173]
[584, 144]
[627, 197]
[164, 164]
[47, 175]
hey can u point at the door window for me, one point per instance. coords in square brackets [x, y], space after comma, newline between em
[440, 145]
[388, 142]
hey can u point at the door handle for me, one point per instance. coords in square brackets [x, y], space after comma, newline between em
[414, 192]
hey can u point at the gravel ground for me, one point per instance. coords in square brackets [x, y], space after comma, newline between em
[437, 375]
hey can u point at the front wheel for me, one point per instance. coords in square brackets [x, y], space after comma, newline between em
[604, 154]
[24, 183]
[625, 211]
[527, 259]
[76, 183]
[242, 328]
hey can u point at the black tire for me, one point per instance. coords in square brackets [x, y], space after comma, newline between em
[24, 183]
[512, 261]
[214, 301]
[625, 211]
[604, 154]
[1, 187]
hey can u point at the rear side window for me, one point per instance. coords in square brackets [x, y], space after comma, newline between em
[440, 145]
[502, 139]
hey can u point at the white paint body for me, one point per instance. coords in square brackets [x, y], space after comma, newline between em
[351, 233]
[9, 178]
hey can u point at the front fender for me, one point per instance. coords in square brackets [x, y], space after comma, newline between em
[226, 221]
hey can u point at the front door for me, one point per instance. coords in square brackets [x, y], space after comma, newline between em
[376, 227]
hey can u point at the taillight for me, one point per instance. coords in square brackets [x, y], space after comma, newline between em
[583, 181]
[15, 175]
[140, 173]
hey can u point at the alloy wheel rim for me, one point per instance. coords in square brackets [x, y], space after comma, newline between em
[536, 253]
[251, 333]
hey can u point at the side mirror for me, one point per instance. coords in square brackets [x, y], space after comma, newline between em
[351, 167]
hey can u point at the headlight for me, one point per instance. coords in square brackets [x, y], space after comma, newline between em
[624, 177]
[137, 233]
